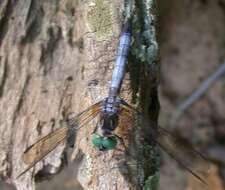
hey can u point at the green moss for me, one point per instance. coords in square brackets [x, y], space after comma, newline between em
[144, 52]
[152, 182]
[99, 18]
[145, 47]
[152, 161]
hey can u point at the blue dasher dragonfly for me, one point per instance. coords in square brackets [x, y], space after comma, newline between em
[110, 111]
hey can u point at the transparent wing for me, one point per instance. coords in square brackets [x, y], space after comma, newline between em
[41, 148]
[189, 158]
[45, 145]
[84, 117]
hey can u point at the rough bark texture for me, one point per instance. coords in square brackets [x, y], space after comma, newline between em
[38, 63]
[56, 55]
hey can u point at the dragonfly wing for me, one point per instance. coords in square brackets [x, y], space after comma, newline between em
[84, 117]
[41, 148]
[45, 145]
[79, 121]
[180, 150]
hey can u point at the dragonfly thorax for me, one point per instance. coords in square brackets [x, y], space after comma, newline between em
[109, 116]
[108, 124]
[111, 105]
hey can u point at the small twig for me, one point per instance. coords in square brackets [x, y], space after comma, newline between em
[199, 92]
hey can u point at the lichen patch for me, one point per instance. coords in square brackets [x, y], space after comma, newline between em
[99, 17]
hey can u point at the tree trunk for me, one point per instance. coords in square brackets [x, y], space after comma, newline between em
[58, 55]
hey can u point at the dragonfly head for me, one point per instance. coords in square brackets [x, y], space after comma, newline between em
[104, 142]
[109, 122]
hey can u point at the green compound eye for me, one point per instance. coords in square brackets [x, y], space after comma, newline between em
[109, 143]
[104, 143]
[97, 141]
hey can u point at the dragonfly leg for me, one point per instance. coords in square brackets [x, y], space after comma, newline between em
[121, 141]
[95, 129]
[128, 107]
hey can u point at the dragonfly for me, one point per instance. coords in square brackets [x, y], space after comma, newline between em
[109, 110]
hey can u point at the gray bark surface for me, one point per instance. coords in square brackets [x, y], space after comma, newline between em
[56, 55]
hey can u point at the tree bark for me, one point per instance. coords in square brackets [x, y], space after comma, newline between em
[58, 55]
